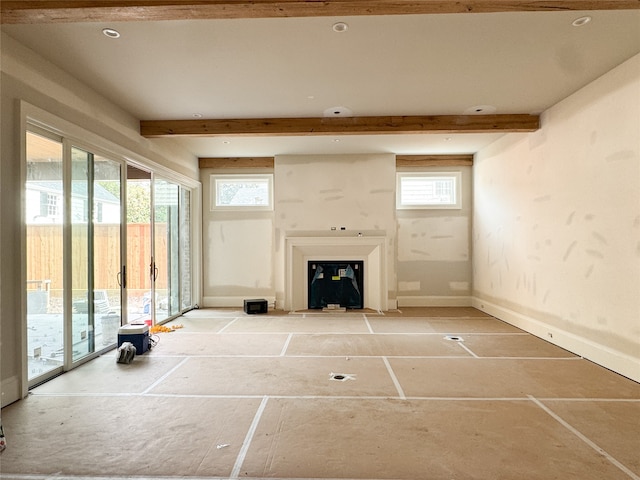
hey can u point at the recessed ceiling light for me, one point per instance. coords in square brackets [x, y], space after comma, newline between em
[111, 33]
[336, 140]
[480, 109]
[338, 112]
[226, 142]
[578, 22]
[197, 115]
[340, 27]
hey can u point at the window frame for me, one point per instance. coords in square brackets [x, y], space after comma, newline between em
[457, 183]
[247, 177]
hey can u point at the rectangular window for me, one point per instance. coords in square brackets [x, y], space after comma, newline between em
[428, 190]
[242, 192]
[52, 206]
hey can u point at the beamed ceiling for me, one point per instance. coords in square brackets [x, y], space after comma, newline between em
[47, 11]
[255, 79]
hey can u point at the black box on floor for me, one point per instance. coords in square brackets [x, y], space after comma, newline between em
[256, 305]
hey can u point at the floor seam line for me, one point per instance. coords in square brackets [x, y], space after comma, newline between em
[39, 476]
[228, 325]
[242, 454]
[584, 438]
[366, 321]
[284, 332]
[468, 350]
[412, 357]
[336, 397]
[163, 377]
[395, 380]
[286, 345]
[178, 333]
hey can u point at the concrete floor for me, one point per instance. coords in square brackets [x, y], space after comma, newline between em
[261, 396]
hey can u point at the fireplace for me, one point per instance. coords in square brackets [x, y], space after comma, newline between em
[335, 283]
[370, 248]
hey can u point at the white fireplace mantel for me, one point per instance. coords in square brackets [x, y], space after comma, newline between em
[371, 249]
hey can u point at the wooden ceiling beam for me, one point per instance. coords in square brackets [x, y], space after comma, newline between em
[394, 125]
[439, 160]
[459, 160]
[52, 11]
[450, 160]
[236, 162]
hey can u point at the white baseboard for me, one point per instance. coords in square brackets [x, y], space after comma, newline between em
[601, 354]
[434, 301]
[221, 302]
[10, 390]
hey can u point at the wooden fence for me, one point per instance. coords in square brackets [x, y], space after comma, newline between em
[44, 256]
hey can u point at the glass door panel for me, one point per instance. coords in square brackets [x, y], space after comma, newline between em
[166, 259]
[95, 252]
[173, 251]
[138, 278]
[185, 249]
[107, 263]
[44, 211]
[82, 318]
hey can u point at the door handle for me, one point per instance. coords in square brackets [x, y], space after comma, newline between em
[122, 277]
[153, 270]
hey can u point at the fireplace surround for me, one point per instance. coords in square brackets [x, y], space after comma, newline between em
[368, 246]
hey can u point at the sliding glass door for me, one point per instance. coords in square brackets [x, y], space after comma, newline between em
[73, 253]
[168, 217]
[186, 299]
[45, 293]
[158, 247]
[93, 261]
[95, 250]
[139, 272]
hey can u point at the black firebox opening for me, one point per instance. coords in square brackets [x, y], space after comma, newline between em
[335, 283]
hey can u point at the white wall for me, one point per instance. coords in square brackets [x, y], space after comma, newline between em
[556, 230]
[26, 77]
[428, 251]
[318, 192]
[434, 250]
[244, 251]
[238, 250]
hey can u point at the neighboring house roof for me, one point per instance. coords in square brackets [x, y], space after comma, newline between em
[78, 190]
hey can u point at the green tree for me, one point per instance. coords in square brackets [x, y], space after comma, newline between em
[138, 203]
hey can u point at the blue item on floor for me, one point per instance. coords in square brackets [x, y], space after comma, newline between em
[136, 334]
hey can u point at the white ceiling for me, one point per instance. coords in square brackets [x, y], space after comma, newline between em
[444, 64]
